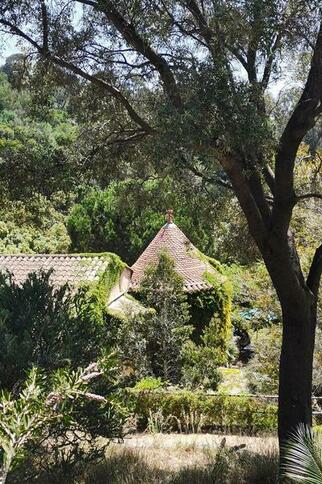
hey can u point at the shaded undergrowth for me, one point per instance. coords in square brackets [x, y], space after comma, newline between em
[224, 466]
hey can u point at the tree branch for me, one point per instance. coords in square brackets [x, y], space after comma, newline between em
[180, 27]
[202, 24]
[269, 178]
[209, 179]
[251, 64]
[132, 37]
[44, 16]
[309, 195]
[112, 90]
[257, 190]
[301, 121]
[116, 93]
[256, 225]
[269, 62]
[214, 39]
[16, 31]
[314, 277]
[250, 191]
[239, 57]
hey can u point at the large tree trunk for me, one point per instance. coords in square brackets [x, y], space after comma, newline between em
[296, 363]
[299, 314]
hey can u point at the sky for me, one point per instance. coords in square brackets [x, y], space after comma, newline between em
[8, 46]
[8, 43]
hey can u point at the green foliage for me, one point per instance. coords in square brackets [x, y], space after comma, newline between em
[47, 326]
[33, 153]
[215, 412]
[93, 296]
[149, 383]
[42, 152]
[34, 226]
[113, 273]
[302, 457]
[263, 369]
[233, 242]
[162, 290]
[36, 173]
[200, 366]
[131, 338]
[211, 313]
[157, 341]
[126, 216]
[43, 403]
[97, 222]
[15, 69]
[233, 381]
[151, 342]
[255, 304]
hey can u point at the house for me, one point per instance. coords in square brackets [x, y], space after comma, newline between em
[204, 281]
[189, 262]
[203, 278]
[76, 270]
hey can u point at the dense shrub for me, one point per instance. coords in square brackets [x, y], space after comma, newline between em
[162, 290]
[151, 343]
[187, 411]
[57, 420]
[156, 342]
[149, 383]
[46, 326]
[36, 225]
[217, 303]
[200, 366]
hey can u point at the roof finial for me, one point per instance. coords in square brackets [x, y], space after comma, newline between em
[170, 216]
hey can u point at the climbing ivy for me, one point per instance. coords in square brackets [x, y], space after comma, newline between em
[95, 294]
[211, 309]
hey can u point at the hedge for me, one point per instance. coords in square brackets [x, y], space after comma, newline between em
[187, 411]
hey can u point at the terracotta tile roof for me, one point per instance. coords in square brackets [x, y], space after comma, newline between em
[187, 263]
[72, 268]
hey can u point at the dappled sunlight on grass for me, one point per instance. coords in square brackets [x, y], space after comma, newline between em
[182, 459]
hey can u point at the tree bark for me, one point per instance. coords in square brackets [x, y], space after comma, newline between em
[298, 302]
[296, 363]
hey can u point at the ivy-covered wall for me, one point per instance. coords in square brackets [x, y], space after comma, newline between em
[210, 312]
[211, 309]
[97, 292]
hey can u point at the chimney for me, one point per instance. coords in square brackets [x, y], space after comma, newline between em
[170, 216]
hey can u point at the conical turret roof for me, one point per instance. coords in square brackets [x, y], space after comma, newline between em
[189, 262]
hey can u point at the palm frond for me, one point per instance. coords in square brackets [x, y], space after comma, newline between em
[302, 457]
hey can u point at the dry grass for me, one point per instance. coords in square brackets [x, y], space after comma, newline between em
[189, 449]
[182, 459]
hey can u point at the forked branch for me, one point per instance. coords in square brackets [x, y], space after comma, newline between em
[141, 45]
[303, 118]
[104, 85]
